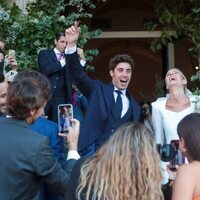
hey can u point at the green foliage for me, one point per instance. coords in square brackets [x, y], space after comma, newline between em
[31, 32]
[196, 77]
[159, 87]
[196, 91]
[177, 19]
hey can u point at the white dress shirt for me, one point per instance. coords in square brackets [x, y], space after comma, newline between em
[62, 60]
[125, 101]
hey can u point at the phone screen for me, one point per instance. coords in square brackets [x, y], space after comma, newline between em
[177, 157]
[65, 113]
[11, 53]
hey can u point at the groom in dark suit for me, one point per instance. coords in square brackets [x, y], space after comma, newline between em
[53, 65]
[110, 105]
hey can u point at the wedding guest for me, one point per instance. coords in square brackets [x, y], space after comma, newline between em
[47, 128]
[53, 65]
[26, 157]
[187, 185]
[126, 167]
[145, 115]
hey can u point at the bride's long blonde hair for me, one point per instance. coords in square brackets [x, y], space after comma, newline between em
[127, 167]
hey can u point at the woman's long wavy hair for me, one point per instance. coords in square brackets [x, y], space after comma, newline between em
[127, 167]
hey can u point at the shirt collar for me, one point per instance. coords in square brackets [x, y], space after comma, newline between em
[56, 51]
[123, 91]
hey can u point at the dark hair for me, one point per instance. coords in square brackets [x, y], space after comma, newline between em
[23, 97]
[119, 59]
[142, 114]
[189, 130]
[58, 35]
[37, 76]
[2, 77]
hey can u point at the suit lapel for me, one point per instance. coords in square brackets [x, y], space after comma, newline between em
[108, 95]
[53, 55]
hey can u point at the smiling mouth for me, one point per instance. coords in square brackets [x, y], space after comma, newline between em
[172, 79]
[122, 81]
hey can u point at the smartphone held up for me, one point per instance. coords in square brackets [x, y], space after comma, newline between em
[65, 114]
[177, 157]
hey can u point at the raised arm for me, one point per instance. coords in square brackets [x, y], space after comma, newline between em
[84, 83]
[72, 35]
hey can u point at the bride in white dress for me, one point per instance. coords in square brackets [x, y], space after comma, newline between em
[168, 111]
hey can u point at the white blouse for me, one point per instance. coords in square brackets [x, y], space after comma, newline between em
[165, 121]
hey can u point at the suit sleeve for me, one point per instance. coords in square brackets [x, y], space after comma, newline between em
[50, 170]
[84, 83]
[47, 64]
[157, 123]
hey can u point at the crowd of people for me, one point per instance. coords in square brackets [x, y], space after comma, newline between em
[114, 144]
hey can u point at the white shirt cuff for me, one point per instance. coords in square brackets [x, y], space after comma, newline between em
[72, 154]
[82, 62]
[70, 50]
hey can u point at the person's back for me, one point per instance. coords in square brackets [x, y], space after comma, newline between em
[27, 159]
[126, 167]
[187, 185]
[188, 176]
[21, 156]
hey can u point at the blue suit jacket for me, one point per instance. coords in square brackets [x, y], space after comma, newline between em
[50, 129]
[100, 98]
[50, 67]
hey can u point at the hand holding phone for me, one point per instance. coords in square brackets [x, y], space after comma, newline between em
[65, 114]
[178, 158]
[72, 136]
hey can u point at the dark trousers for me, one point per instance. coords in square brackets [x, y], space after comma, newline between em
[167, 191]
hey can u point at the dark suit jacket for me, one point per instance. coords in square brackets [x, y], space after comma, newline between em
[50, 67]
[50, 129]
[26, 159]
[74, 181]
[100, 98]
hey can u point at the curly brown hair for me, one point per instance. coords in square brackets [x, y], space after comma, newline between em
[119, 59]
[127, 167]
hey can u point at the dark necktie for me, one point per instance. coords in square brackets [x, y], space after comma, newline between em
[118, 102]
